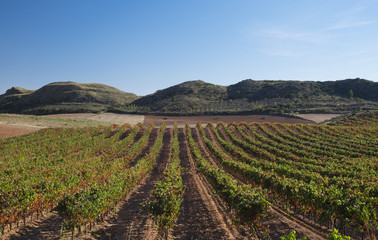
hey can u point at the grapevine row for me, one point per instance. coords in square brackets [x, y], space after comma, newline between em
[93, 202]
[167, 196]
[352, 208]
[60, 174]
[249, 204]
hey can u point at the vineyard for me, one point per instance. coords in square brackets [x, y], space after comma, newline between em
[213, 181]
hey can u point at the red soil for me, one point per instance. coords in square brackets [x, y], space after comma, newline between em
[15, 130]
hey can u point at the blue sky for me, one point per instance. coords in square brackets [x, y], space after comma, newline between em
[145, 45]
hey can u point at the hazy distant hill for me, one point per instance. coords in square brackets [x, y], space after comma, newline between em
[64, 97]
[198, 97]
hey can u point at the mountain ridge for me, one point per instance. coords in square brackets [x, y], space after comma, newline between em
[198, 97]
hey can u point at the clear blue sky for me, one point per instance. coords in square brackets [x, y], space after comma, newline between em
[144, 45]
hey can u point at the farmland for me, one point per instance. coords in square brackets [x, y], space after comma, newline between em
[209, 181]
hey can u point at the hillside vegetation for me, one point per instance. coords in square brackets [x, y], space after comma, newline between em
[198, 98]
[249, 96]
[64, 97]
[183, 97]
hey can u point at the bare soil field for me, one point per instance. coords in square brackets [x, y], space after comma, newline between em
[318, 118]
[157, 120]
[7, 130]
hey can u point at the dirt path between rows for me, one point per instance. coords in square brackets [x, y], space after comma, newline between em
[280, 224]
[201, 217]
[153, 136]
[130, 222]
[46, 227]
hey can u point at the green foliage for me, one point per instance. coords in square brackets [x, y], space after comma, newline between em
[165, 200]
[350, 93]
[333, 235]
[360, 118]
[90, 204]
[292, 236]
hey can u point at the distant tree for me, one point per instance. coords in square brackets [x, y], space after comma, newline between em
[350, 93]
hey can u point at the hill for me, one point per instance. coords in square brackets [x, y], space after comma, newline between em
[250, 96]
[199, 98]
[64, 97]
[258, 90]
[183, 98]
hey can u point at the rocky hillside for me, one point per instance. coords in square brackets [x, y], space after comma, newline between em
[250, 96]
[258, 90]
